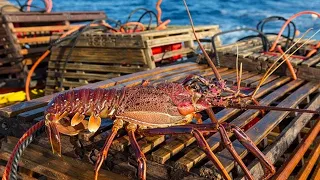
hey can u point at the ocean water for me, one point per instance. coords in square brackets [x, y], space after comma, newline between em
[228, 14]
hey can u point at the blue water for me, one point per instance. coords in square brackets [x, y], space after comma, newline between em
[229, 14]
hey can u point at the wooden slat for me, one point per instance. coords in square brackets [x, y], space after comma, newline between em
[269, 79]
[267, 123]
[311, 61]
[168, 40]
[243, 77]
[33, 17]
[284, 140]
[42, 39]
[250, 80]
[10, 70]
[99, 55]
[32, 114]
[44, 28]
[20, 175]
[96, 68]
[87, 76]
[249, 51]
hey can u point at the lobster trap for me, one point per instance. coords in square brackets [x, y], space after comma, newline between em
[254, 58]
[178, 156]
[26, 35]
[98, 55]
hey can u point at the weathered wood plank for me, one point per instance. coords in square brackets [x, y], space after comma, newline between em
[42, 161]
[99, 55]
[250, 80]
[308, 73]
[311, 61]
[284, 140]
[269, 79]
[43, 28]
[85, 75]
[97, 68]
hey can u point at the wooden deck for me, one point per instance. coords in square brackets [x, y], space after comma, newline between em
[179, 156]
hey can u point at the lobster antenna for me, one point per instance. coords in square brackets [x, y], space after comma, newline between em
[274, 63]
[291, 54]
[213, 67]
[240, 76]
[237, 64]
[238, 71]
[268, 73]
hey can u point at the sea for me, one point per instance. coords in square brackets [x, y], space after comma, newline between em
[228, 14]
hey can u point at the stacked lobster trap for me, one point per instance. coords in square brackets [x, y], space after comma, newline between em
[99, 55]
[176, 156]
[26, 35]
[254, 57]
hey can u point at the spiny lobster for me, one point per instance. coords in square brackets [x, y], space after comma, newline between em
[166, 108]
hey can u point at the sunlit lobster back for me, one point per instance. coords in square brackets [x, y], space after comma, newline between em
[163, 105]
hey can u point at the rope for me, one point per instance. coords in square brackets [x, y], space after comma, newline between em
[11, 169]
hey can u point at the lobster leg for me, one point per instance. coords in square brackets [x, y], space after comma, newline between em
[228, 144]
[246, 141]
[192, 129]
[118, 124]
[141, 159]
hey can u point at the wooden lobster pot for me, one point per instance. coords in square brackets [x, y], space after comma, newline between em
[24, 36]
[252, 58]
[172, 157]
[98, 56]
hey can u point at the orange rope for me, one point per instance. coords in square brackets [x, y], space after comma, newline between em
[27, 88]
[286, 24]
[159, 11]
[290, 67]
[44, 55]
[163, 25]
[48, 4]
[314, 50]
[132, 24]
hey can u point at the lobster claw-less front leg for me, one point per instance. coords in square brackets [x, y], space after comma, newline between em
[196, 130]
[141, 159]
